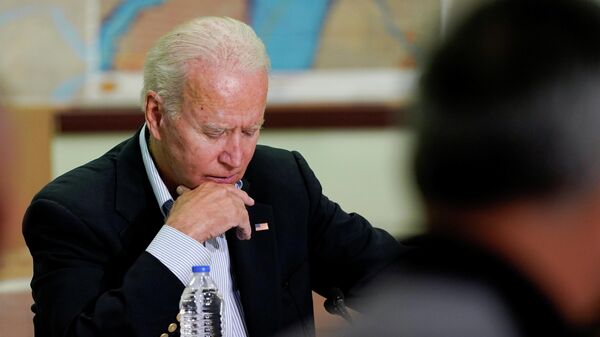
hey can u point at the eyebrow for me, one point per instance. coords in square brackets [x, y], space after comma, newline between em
[213, 127]
[258, 125]
[217, 127]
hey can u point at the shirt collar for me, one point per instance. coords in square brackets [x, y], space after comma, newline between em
[161, 192]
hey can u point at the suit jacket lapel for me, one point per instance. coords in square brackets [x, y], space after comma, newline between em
[255, 270]
[134, 199]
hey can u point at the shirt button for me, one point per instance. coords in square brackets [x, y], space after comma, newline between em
[178, 317]
[172, 327]
[164, 335]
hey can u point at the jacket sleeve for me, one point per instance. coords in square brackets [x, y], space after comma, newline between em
[346, 251]
[77, 291]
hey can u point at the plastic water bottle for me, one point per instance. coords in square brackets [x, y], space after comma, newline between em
[201, 306]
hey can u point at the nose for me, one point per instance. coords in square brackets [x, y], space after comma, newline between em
[232, 153]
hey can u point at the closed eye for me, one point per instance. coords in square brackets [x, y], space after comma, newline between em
[214, 133]
[250, 132]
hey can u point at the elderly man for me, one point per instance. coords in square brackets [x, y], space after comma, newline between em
[113, 241]
[508, 161]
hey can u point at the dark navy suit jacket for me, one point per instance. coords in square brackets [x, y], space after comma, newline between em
[88, 230]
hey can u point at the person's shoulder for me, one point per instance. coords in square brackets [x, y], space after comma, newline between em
[269, 153]
[276, 167]
[87, 180]
[422, 304]
[272, 158]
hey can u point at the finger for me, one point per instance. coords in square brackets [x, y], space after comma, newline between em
[244, 232]
[248, 201]
[181, 189]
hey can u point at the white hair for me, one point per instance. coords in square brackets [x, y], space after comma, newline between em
[219, 41]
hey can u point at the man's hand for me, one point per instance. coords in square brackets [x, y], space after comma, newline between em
[210, 210]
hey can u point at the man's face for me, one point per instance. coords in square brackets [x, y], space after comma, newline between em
[215, 134]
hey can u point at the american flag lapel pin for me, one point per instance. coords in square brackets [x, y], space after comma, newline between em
[261, 226]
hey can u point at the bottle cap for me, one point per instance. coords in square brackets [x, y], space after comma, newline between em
[201, 269]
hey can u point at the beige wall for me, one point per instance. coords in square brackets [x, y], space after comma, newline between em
[366, 171]
[26, 169]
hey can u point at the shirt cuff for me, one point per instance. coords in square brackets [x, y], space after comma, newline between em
[178, 252]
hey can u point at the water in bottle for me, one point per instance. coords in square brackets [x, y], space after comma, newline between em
[201, 306]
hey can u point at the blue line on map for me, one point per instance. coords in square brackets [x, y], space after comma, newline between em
[290, 30]
[118, 23]
[68, 32]
[64, 27]
[394, 30]
[65, 91]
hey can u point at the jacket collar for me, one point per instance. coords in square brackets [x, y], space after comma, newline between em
[133, 190]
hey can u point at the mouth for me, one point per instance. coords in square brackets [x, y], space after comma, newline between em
[223, 180]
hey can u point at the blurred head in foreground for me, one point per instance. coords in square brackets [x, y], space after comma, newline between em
[508, 150]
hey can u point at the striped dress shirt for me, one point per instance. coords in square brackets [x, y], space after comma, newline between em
[179, 252]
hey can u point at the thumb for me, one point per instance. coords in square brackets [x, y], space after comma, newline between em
[182, 189]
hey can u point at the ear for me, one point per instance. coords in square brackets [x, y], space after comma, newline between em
[154, 113]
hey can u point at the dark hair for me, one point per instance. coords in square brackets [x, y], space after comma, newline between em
[510, 104]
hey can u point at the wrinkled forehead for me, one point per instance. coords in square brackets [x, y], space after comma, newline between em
[207, 80]
[228, 97]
